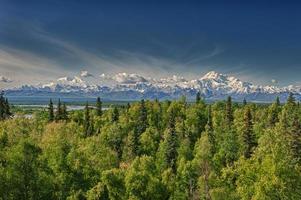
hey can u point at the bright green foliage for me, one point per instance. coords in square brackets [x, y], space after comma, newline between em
[141, 181]
[114, 182]
[167, 150]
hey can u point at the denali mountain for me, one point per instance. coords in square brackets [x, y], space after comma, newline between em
[212, 86]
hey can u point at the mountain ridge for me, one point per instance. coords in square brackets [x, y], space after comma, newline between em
[212, 86]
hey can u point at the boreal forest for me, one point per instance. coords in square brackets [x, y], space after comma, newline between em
[152, 150]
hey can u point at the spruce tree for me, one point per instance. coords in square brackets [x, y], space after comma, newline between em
[248, 134]
[128, 106]
[171, 143]
[64, 112]
[277, 101]
[274, 110]
[209, 130]
[2, 106]
[7, 109]
[229, 112]
[88, 127]
[50, 111]
[291, 99]
[296, 139]
[244, 103]
[198, 97]
[115, 114]
[58, 114]
[98, 107]
[142, 120]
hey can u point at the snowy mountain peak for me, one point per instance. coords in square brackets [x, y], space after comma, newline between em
[64, 79]
[214, 75]
[75, 79]
[212, 85]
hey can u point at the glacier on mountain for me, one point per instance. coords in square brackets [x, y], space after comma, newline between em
[212, 86]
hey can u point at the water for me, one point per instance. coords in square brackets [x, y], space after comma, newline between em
[42, 106]
[44, 100]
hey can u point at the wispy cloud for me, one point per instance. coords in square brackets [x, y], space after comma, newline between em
[4, 79]
[85, 74]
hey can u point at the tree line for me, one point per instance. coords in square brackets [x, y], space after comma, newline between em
[5, 112]
[154, 150]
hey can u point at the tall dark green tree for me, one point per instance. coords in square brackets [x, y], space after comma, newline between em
[115, 114]
[7, 108]
[209, 130]
[64, 112]
[58, 114]
[98, 107]
[171, 143]
[296, 139]
[4, 107]
[50, 111]
[274, 110]
[88, 126]
[142, 120]
[277, 101]
[244, 103]
[229, 112]
[248, 134]
[291, 99]
[198, 97]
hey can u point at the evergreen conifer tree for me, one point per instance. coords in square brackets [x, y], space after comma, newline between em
[98, 107]
[248, 134]
[2, 106]
[58, 114]
[50, 111]
[291, 99]
[296, 139]
[64, 112]
[88, 127]
[198, 97]
[171, 143]
[142, 121]
[277, 101]
[244, 103]
[209, 131]
[274, 110]
[7, 109]
[115, 114]
[229, 112]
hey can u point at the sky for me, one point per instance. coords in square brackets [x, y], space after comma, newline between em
[257, 41]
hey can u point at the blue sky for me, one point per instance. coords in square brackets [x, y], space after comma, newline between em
[44, 40]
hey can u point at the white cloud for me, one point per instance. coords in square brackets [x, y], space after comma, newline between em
[274, 81]
[125, 78]
[26, 67]
[85, 74]
[4, 79]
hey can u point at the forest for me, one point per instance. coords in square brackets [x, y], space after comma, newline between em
[153, 150]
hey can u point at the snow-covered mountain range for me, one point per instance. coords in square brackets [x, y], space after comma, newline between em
[125, 86]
